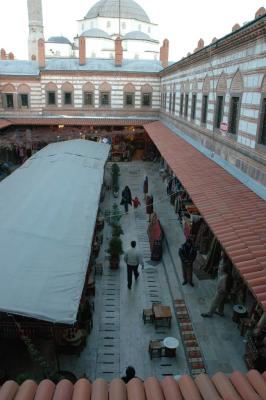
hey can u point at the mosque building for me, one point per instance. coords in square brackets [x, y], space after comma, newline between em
[104, 22]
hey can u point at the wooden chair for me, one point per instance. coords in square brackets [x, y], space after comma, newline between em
[155, 348]
[147, 315]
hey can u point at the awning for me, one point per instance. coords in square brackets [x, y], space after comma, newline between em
[48, 209]
[4, 123]
[69, 121]
[235, 214]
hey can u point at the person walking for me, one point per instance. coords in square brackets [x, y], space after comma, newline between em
[126, 198]
[133, 258]
[223, 288]
[145, 187]
[187, 254]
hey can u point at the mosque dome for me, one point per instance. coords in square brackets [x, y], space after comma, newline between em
[138, 35]
[110, 8]
[96, 33]
[59, 39]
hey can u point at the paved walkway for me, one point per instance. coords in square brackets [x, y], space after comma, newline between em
[119, 338]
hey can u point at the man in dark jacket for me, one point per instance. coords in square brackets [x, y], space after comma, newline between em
[187, 253]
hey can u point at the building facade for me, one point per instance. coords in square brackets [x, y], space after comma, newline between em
[215, 96]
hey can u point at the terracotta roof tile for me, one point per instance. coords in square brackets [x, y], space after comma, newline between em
[235, 214]
[238, 386]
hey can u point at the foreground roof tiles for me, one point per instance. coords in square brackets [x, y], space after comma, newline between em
[237, 386]
[235, 214]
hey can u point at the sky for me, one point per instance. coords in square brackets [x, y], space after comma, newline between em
[182, 22]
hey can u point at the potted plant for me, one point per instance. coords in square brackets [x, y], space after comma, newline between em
[115, 179]
[115, 250]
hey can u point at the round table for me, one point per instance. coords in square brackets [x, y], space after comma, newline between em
[171, 344]
[239, 311]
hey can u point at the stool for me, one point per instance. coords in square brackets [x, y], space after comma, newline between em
[98, 268]
[147, 315]
[155, 348]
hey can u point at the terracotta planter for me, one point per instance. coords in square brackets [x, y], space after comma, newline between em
[114, 262]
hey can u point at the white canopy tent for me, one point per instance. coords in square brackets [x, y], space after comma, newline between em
[48, 210]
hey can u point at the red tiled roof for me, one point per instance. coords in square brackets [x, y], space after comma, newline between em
[77, 121]
[237, 386]
[4, 123]
[235, 214]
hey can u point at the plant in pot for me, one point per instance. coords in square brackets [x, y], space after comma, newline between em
[115, 250]
[115, 179]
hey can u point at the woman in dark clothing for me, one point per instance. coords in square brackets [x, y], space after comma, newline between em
[145, 187]
[126, 198]
[149, 206]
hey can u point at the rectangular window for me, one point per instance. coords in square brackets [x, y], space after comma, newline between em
[129, 99]
[88, 98]
[9, 100]
[219, 111]
[105, 99]
[170, 102]
[234, 114]
[263, 123]
[146, 99]
[165, 100]
[173, 103]
[193, 106]
[181, 104]
[68, 98]
[204, 109]
[186, 106]
[51, 98]
[24, 100]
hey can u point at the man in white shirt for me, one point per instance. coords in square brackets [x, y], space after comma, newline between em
[133, 258]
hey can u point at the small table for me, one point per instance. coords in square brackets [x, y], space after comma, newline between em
[170, 344]
[162, 315]
[239, 312]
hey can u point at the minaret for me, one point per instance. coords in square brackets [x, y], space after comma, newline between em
[35, 27]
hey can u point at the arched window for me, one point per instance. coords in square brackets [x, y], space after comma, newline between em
[262, 119]
[105, 94]
[51, 94]
[129, 95]
[23, 96]
[221, 90]
[205, 99]
[67, 94]
[146, 96]
[236, 91]
[88, 94]
[8, 96]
